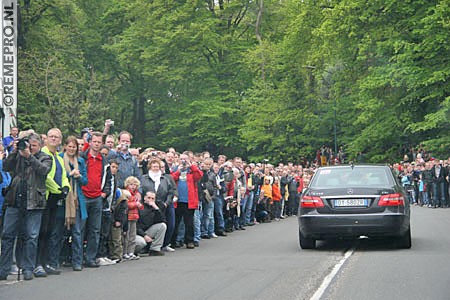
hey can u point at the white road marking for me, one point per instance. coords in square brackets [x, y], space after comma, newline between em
[327, 280]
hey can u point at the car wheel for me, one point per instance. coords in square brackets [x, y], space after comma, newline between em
[404, 242]
[306, 243]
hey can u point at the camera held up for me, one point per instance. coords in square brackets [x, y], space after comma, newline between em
[23, 143]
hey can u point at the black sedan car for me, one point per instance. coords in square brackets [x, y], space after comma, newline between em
[352, 201]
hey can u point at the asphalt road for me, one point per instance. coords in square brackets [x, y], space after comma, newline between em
[265, 262]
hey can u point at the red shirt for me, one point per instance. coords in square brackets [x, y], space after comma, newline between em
[94, 167]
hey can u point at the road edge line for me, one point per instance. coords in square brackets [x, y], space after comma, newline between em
[327, 280]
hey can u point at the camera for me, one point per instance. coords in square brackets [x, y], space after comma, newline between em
[23, 143]
[110, 122]
[154, 153]
[124, 147]
[183, 162]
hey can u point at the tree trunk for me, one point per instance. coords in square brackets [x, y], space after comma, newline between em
[258, 36]
[139, 120]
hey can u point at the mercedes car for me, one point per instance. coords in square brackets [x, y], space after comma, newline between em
[352, 201]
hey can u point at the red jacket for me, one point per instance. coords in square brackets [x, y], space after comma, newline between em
[134, 206]
[194, 175]
[301, 184]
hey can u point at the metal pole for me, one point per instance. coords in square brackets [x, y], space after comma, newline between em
[335, 131]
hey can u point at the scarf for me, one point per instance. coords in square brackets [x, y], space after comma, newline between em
[156, 177]
[72, 197]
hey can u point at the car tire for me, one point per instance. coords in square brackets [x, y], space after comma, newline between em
[306, 243]
[404, 242]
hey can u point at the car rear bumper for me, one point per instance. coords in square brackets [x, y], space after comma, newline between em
[354, 225]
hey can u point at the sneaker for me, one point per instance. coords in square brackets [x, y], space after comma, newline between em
[196, 244]
[155, 253]
[51, 270]
[190, 246]
[214, 236]
[133, 256]
[101, 262]
[38, 272]
[126, 257]
[110, 261]
[28, 275]
[205, 237]
[168, 249]
[14, 270]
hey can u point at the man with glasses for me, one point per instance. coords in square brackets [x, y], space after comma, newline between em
[52, 224]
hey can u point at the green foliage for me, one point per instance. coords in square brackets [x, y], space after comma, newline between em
[228, 77]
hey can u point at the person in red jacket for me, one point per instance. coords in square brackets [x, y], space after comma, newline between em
[187, 175]
[134, 205]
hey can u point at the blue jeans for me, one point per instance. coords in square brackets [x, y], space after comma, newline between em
[208, 218]
[246, 212]
[197, 224]
[77, 240]
[424, 195]
[439, 194]
[26, 225]
[170, 218]
[219, 222]
[94, 207]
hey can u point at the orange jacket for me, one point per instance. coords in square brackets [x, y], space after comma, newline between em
[266, 191]
[276, 192]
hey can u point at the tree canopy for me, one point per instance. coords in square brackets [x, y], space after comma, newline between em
[260, 79]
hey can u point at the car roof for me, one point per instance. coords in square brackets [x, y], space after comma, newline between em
[355, 166]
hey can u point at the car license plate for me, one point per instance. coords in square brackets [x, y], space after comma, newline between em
[350, 202]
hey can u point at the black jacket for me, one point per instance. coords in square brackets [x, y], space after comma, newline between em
[119, 206]
[207, 182]
[166, 190]
[442, 174]
[34, 171]
[149, 216]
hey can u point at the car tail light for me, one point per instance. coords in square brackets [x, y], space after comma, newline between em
[311, 202]
[391, 200]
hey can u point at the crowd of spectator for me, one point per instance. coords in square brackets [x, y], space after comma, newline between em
[425, 178]
[94, 200]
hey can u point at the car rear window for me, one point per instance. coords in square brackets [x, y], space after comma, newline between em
[357, 176]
